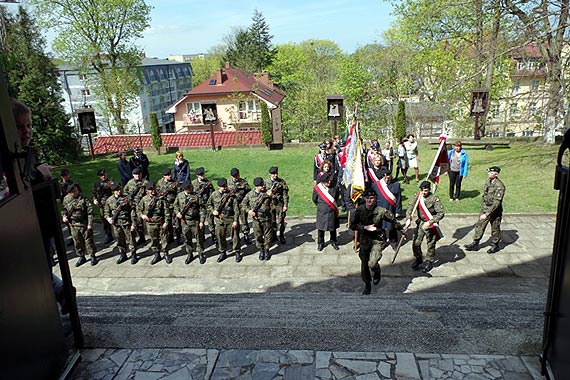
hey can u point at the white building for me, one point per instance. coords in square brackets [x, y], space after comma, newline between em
[163, 82]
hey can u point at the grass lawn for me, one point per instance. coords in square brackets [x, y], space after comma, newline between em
[527, 169]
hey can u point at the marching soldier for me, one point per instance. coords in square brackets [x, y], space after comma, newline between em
[240, 188]
[203, 186]
[121, 214]
[167, 189]
[191, 215]
[430, 212]
[367, 220]
[279, 193]
[101, 191]
[78, 213]
[135, 190]
[258, 205]
[389, 196]
[491, 211]
[156, 213]
[225, 209]
[324, 196]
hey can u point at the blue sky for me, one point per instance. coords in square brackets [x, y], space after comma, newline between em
[191, 26]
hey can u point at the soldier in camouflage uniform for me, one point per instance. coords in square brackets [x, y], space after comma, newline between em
[167, 189]
[491, 211]
[64, 181]
[279, 193]
[225, 209]
[426, 225]
[191, 215]
[258, 205]
[240, 188]
[135, 190]
[368, 220]
[78, 212]
[121, 214]
[101, 191]
[204, 188]
[156, 213]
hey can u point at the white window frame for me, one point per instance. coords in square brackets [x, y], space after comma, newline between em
[249, 110]
[496, 111]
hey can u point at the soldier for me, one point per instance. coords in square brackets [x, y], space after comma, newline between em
[388, 196]
[140, 160]
[367, 220]
[204, 188]
[135, 190]
[225, 209]
[101, 191]
[279, 193]
[191, 215]
[156, 213]
[491, 211]
[430, 212]
[121, 214]
[78, 213]
[324, 196]
[167, 189]
[258, 205]
[64, 181]
[240, 188]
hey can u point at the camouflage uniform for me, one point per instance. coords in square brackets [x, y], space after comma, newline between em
[279, 200]
[101, 191]
[79, 213]
[123, 215]
[168, 191]
[158, 213]
[228, 215]
[260, 203]
[434, 205]
[492, 206]
[193, 215]
[204, 189]
[240, 187]
[135, 190]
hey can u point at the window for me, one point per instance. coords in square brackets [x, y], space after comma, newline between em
[532, 108]
[496, 111]
[193, 113]
[516, 87]
[85, 92]
[534, 85]
[249, 109]
[514, 109]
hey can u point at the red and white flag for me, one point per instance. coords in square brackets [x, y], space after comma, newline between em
[440, 163]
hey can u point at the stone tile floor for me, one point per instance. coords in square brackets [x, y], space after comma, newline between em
[183, 364]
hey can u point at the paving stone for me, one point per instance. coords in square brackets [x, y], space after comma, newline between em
[475, 376]
[298, 371]
[322, 359]
[385, 369]
[406, 366]
[368, 376]
[436, 372]
[339, 372]
[533, 365]
[263, 371]
[360, 355]
[148, 375]
[299, 356]
[358, 366]
[424, 368]
[225, 373]
[239, 358]
[323, 374]
[493, 372]
[445, 364]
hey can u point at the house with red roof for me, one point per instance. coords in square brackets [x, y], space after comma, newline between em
[235, 96]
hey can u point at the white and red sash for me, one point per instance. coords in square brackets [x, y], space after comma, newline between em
[383, 187]
[324, 194]
[428, 216]
[318, 160]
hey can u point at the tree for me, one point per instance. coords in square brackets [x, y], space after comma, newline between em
[400, 126]
[250, 48]
[155, 132]
[97, 36]
[266, 128]
[33, 79]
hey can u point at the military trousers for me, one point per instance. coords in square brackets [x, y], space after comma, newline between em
[224, 230]
[243, 222]
[106, 225]
[495, 221]
[431, 239]
[278, 217]
[370, 254]
[263, 232]
[83, 240]
[158, 237]
[125, 238]
[191, 232]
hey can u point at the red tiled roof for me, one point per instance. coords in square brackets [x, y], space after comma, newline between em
[117, 143]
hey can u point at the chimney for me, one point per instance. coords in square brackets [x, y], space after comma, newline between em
[264, 78]
[227, 65]
[219, 76]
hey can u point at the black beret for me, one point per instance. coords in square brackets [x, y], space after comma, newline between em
[149, 185]
[199, 171]
[325, 177]
[186, 184]
[258, 181]
[273, 170]
[323, 145]
[70, 187]
[425, 184]
[64, 172]
[101, 172]
[494, 169]
[342, 143]
[234, 172]
[136, 171]
[137, 150]
[222, 182]
[369, 193]
[115, 186]
[166, 172]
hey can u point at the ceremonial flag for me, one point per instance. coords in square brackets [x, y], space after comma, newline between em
[441, 162]
[354, 173]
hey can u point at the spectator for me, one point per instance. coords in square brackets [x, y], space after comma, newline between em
[458, 166]
[125, 171]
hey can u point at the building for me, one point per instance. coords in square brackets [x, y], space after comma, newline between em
[234, 97]
[162, 81]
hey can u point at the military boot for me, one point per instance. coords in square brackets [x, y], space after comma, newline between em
[189, 258]
[320, 246]
[167, 257]
[202, 258]
[222, 256]
[134, 258]
[417, 263]
[267, 255]
[427, 266]
[367, 288]
[156, 258]
[262, 254]
[282, 238]
[334, 245]
[94, 261]
[376, 276]
[122, 258]
[109, 239]
[238, 256]
[474, 246]
[246, 239]
[82, 260]
[494, 248]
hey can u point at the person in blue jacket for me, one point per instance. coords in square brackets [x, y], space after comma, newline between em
[458, 167]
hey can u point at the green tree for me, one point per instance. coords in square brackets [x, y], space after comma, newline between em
[98, 36]
[400, 127]
[250, 48]
[204, 67]
[155, 132]
[266, 128]
[33, 79]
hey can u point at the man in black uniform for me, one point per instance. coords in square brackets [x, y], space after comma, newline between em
[140, 160]
[101, 191]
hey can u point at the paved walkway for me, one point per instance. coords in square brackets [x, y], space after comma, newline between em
[521, 267]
